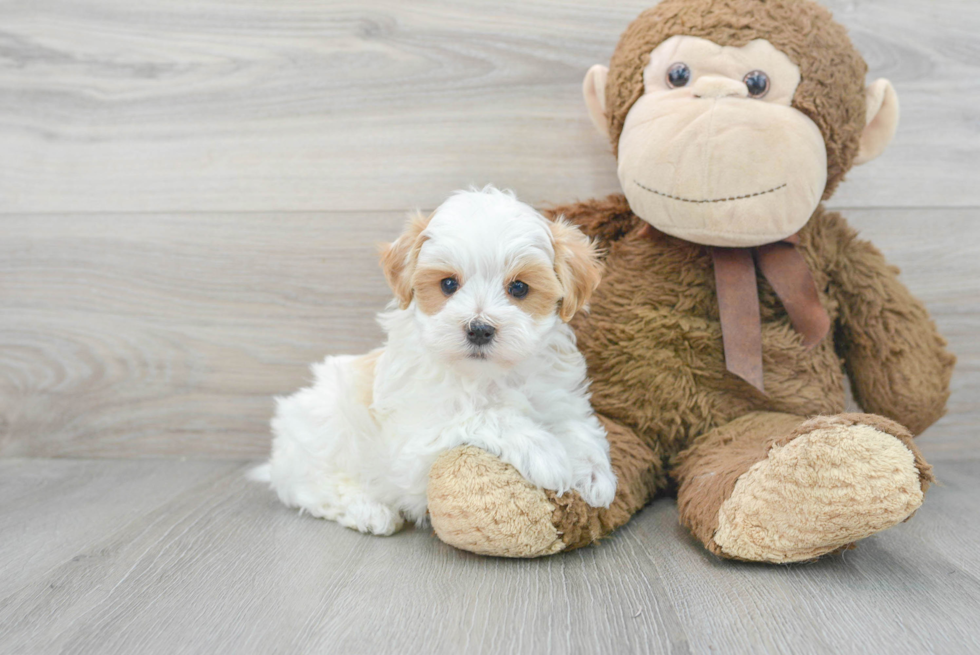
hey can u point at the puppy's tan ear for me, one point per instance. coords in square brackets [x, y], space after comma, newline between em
[577, 266]
[398, 258]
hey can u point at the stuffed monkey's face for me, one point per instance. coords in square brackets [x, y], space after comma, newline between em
[713, 151]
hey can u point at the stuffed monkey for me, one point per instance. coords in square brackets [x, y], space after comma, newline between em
[733, 303]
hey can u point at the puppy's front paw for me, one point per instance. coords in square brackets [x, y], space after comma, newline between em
[598, 486]
[545, 467]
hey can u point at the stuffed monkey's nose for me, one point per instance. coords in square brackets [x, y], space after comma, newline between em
[718, 86]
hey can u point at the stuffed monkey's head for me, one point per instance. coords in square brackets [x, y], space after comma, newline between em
[732, 119]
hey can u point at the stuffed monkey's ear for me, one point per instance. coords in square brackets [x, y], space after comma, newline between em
[594, 90]
[882, 121]
[398, 258]
[577, 266]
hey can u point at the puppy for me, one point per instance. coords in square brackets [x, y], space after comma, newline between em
[478, 352]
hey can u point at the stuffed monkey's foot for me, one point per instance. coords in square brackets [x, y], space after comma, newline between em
[478, 503]
[828, 483]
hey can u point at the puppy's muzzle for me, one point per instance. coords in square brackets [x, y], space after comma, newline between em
[480, 334]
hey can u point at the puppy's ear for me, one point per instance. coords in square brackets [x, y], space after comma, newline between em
[577, 266]
[398, 258]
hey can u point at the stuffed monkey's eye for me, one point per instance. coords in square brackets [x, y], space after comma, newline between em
[678, 75]
[757, 83]
[518, 289]
[449, 286]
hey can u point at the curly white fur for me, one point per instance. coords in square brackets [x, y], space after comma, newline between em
[357, 446]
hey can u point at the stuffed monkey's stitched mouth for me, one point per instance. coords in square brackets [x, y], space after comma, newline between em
[699, 202]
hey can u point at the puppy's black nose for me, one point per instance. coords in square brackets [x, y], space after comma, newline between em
[480, 334]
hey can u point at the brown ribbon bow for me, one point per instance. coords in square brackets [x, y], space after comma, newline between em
[738, 301]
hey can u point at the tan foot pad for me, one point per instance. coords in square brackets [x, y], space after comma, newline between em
[478, 503]
[821, 491]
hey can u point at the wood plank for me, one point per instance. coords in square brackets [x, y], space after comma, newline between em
[168, 335]
[52, 510]
[206, 105]
[225, 568]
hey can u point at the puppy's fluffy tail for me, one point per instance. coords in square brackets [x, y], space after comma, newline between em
[261, 473]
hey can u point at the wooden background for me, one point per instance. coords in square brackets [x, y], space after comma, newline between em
[190, 192]
[190, 196]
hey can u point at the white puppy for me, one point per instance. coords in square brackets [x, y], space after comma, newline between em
[478, 352]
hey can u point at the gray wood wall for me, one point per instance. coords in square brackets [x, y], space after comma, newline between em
[191, 191]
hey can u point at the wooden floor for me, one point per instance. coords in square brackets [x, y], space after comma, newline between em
[139, 556]
[190, 194]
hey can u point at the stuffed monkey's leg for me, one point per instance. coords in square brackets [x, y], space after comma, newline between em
[779, 488]
[478, 503]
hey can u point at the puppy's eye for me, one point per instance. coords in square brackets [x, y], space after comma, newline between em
[678, 75]
[449, 285]
[758, 83]
[518, 289]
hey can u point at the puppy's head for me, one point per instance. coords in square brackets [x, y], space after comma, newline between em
[488, 278]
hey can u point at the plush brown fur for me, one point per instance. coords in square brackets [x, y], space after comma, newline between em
[652, 338]
[831, 90]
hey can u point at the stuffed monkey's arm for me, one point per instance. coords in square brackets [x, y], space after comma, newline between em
[894, 355]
